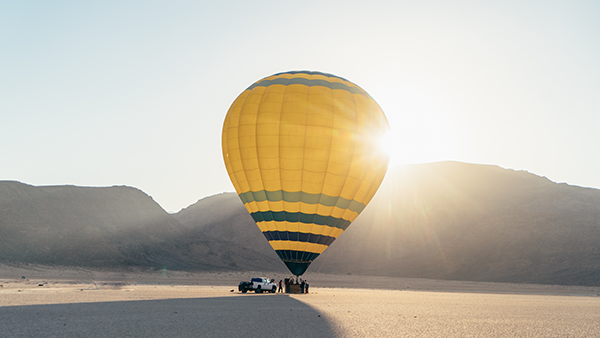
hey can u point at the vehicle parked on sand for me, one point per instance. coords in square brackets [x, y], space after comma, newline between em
[258, 285]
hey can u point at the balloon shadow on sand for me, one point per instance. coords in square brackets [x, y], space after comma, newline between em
[243, 316]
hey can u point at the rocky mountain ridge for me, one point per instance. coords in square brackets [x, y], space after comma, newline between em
[106, 228]
[446, 220]
[450, 220]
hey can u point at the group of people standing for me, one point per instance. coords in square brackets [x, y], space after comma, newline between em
[290, 281]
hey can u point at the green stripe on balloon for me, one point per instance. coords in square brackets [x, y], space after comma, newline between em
[310, 83]
[300, 217]
[299, 196]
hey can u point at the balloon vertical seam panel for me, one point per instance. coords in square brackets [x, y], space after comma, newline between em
[267, 142]
[231, 152]
[303, 183]
[234, 149]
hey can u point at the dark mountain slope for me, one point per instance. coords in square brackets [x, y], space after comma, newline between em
[474, 222]
[224, 217]
[105, 227]
[449, 220]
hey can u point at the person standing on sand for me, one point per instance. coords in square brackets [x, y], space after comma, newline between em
[306, 287]
[280, 290]
[302, 286]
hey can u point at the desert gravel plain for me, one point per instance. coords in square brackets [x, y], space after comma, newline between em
[52, 302]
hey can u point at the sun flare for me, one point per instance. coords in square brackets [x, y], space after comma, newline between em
[419, 131]
[414, 147]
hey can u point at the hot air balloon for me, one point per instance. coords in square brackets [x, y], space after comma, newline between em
[302, 151]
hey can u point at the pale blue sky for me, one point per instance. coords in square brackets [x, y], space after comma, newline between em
[102, 93]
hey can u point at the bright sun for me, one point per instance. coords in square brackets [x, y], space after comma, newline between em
[419, 133]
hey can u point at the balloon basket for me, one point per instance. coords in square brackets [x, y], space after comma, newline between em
[295, 288]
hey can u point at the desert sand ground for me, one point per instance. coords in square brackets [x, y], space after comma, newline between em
[51, 302]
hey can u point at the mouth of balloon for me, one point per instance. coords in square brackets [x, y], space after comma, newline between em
[297, 269]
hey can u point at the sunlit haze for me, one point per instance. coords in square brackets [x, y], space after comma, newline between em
[134, 93]
[425, 135]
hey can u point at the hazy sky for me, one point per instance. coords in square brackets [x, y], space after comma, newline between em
[102, 93]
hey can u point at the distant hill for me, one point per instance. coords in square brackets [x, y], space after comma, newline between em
[475, 222]
[107, 227]
[448, 220]
[224, 217]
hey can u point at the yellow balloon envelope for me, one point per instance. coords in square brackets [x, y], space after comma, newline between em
[302, 151]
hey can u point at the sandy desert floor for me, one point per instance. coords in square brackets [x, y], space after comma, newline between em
[75, 303]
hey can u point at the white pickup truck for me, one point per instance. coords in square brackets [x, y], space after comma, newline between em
[258, 285]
